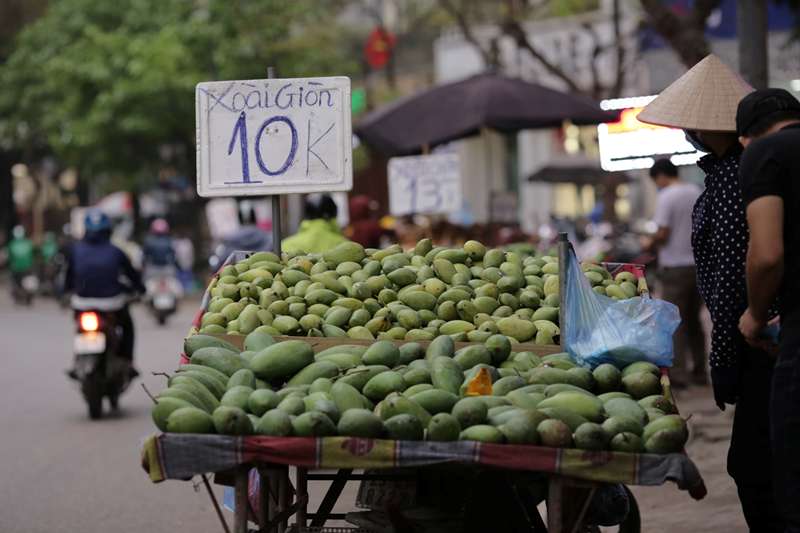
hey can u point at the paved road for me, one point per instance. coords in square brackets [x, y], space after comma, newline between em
[61, 472]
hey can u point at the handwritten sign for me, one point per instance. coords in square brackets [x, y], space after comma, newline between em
[273, 136]
[424, 184]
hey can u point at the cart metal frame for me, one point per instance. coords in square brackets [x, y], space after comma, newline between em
[279, 500]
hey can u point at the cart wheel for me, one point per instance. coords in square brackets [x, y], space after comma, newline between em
[92, 393]
[632, 522]
[95, 403]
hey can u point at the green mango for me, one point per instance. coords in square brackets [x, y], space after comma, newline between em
[313, 424]
[381, 385]
[189, 420]
[231, 421]
[443, 427]
[347, 251]
[274, 423]
[482, 433]
[587, 406]
[360, 423]
[164, 407]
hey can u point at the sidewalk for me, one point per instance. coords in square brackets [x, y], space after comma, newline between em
[666, 508]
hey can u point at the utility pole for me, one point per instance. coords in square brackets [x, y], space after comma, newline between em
[751, 29]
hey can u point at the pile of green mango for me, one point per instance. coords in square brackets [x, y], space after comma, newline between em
[484, 392]
[348, 291]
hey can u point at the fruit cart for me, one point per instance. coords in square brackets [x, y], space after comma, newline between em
[271, 474]
[573, 475]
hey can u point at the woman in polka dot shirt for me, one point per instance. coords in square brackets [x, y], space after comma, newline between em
[703, 103]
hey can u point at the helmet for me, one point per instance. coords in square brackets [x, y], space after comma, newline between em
[96, 221]
[18, 232]
[320, 206]
[159, 227]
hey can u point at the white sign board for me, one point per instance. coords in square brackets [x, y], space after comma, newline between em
[222, 215]
[629, 144]
[273, 136]
[428, 184]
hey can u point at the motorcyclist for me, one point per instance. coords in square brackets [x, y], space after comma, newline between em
[318, 231]
[48, 261]
[20, 256]
[101, 277]
[158, 249]
[160, 261]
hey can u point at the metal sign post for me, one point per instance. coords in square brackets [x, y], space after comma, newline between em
[277, 234]
[563, 258]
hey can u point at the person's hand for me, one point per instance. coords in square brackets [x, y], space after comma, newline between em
[751, 327]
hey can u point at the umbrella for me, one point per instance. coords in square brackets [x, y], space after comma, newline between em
[579, 175]
[456, 110]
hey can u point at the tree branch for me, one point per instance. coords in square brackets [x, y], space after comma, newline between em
[686, 35]
[619, 79]
[597, 49]
[513, 29]
[702, 10]
[466, 30]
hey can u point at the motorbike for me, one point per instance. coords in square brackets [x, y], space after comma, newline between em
[24, 289]
[246, 238]
[99, 368]
[163, 292]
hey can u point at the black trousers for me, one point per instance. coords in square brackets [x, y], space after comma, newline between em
[785, 413]
[749, 456]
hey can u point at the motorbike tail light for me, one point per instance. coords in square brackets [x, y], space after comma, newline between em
[89, 321]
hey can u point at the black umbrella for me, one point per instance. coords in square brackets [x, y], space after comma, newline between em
[579, 175]
[456, 110]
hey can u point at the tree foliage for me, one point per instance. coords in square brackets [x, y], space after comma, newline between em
[108, 85]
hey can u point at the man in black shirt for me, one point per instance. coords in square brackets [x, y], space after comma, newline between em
[768, 123]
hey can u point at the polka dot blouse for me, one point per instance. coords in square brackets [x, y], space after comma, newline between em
[719, 240]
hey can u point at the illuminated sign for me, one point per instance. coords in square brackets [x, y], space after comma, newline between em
[629, 144]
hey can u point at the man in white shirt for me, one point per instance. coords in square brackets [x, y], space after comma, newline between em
[677, 273]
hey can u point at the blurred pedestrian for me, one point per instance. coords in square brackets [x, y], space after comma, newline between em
[364, 228]
[318, 231]
[48, 262]
[21, 256]
[703, 103]
[677, 273]
[184, 258]
[409, 232]
[768, 123]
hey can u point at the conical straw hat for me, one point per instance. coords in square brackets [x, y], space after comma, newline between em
[705, 98]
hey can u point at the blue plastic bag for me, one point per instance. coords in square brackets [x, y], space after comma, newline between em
[598, 329]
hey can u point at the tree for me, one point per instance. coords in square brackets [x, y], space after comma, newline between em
[509, 17]
[14, 14]
[685, 34]
[108, 86]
